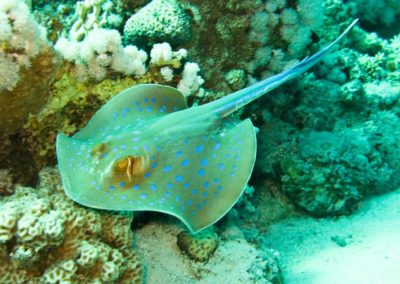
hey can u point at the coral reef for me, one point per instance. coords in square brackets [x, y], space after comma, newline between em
[6, 184]
[46, 238]
[377, 12]
[200, 246]
[159, 21]
[101, 51]
[27, 65]
[326, 151]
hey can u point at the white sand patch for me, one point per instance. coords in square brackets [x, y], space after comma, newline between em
[311, 250]
[232, 262]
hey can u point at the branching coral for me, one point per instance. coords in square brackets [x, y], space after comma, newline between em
[45, 237]
[282, 31]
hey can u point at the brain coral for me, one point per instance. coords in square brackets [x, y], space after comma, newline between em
[46, 238]
[200, 246]
[159, 21]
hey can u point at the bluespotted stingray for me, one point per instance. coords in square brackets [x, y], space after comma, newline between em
[145, 150]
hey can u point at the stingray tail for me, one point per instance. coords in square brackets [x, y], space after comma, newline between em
[235, 101]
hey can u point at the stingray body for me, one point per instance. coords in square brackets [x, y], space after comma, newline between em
[145, 150]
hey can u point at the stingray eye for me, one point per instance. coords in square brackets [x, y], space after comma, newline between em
[130, 166]
[121, 165]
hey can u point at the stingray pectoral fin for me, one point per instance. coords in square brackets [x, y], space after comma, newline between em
[132, 106]
[71, 162]
[208, 174]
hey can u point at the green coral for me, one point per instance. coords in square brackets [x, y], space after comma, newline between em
[159, 21]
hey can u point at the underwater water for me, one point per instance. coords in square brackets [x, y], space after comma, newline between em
[196, 141]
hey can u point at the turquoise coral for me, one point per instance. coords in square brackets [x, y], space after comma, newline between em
[159, 21]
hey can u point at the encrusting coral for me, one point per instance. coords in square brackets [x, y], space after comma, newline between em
[46, 238]
[158, 21]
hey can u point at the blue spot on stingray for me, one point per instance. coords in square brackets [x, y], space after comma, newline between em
[153, 187]
[221, 166]
[170, 185]
[194, 191]
[235, 167]
[131, 201]
[204, 162]
[145, 100]
[149, 108]
[167, 168]
[232, 174]
[146, 148]
[111, 187]
[122, 184]
[199, 149]
[204, 194]
[179, 178]
[167, 194]
[147, 175]
[198, 207]
[216, 181]
[201, 172]
[154, 165]
[179, 153]
[98, 188]
[153, 100]
[123, 146]
[126, 109]
[206, 184]
[140, 109]
[190, 202]
[177, 198]
[216, 147]
[219, 187]
[136, 187]
[186, 185]
[185, 162]
[143, 196]
[137, 103]
[236, 158]
[123, 197]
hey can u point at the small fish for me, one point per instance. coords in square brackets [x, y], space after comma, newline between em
[145, 150]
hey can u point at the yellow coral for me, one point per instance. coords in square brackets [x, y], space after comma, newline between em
[45, 237]
[200, 246]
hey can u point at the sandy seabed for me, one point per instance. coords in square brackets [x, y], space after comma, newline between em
[359, 249]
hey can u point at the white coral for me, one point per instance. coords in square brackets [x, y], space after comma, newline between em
[191, 81]
[21, 39]
[101, 51]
